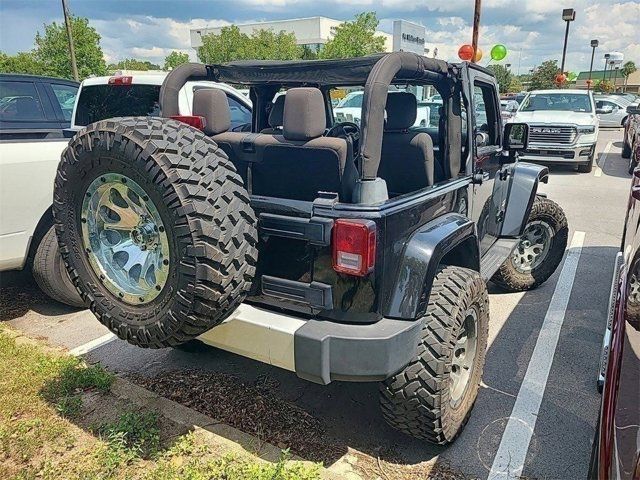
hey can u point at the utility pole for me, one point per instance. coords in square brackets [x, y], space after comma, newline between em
[568, 15]
[72, 52]
[594, 45]
[476, 28]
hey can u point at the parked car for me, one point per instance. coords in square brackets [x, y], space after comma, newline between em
[349, 109]
[616, 446]
[631, 136]
[34, 111]
[611, 110]
[508, 108]
[518, 97]
[563, 127]
[285, 249]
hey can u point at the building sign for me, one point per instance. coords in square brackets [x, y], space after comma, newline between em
[408, 37]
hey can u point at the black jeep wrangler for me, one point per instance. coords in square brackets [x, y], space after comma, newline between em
[352, 251]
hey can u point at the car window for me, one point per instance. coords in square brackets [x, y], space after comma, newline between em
[240, 115]
[19, 101]
[485, 115]
[604, 103]
[354, 101]
[570, 102]
[99, 102]
[66, 97]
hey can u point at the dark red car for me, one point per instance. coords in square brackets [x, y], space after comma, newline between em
[631, 136]
[616, 449]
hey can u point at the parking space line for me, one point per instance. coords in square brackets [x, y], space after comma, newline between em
[512, 452]
[598, 171]
[92, 345]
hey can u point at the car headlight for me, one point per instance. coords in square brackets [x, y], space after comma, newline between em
[586, 129]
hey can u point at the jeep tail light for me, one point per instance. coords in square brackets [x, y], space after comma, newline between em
[354, 246]
[194, 120]
[120, 80]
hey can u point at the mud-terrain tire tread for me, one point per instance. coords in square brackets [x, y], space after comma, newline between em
[416, 400]
[213, 226]
[50, 274]
[509, 279]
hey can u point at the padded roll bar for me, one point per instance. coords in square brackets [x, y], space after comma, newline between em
[174, 81]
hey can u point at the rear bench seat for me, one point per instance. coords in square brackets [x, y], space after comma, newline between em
[295, 165]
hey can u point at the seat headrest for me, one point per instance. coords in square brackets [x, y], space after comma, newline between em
[276, 114]
[304, 114]
[212, 104]
[402, 110]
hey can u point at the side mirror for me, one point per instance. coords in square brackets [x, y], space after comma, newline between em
[634, 109]
[516, 137]
[605, 109]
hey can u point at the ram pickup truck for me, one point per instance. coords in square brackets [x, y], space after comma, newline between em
[563, 127]
[34, 114]
[335, 250]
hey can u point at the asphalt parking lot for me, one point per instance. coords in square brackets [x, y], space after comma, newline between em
[536, 412]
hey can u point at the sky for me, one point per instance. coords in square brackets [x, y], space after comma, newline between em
[532, 30]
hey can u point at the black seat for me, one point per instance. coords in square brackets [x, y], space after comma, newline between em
[406, 161]
[276, 117]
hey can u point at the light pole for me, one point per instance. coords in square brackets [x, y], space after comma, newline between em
[476, 28]
[615, 78]
[594, 45]
[72, 52]
[606, 61]
[568, 15]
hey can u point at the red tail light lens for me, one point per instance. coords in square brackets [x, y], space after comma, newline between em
[194, 120]
[120, 80]
[354, 246]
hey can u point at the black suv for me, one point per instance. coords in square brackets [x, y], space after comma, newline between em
[336, 250]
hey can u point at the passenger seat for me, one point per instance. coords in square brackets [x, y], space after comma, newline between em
[406, 162]
[276, 115]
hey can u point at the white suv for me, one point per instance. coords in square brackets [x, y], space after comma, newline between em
[28, 168]
[563, 127]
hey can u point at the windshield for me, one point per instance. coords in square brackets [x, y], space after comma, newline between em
[567, 102]
[351, 101]
[99, 102]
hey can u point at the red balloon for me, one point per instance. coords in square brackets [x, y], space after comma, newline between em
[465, 53]
[561, 78]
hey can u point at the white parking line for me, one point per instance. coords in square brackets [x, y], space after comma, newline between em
[512, 452]
[92, 345]
[598, 172]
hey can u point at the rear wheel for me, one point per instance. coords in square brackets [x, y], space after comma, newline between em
[155, 228]
[539, 251]
[431, 399]
[50, 274]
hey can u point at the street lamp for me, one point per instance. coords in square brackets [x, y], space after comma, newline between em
[594, 45]
[615, 78]
[568, 15]
[606, 61]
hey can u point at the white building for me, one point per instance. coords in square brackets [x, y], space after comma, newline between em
[312, 32]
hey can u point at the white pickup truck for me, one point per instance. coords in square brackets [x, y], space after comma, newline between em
[563, 127]
[29, 157]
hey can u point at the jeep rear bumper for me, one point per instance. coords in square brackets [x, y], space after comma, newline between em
[318, 350]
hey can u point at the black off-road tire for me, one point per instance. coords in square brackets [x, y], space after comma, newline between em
[586, 167]
[50, 273]
[210, 226]
[626, 149]
[509, 278]
[416, 401]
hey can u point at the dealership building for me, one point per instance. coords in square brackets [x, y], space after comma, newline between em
[313, 32]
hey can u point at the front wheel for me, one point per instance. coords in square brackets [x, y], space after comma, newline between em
[540, 250]
[431, 399]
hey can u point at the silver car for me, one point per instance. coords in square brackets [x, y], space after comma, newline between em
[611, 110]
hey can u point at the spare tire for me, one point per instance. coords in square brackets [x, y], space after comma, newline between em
[155, 228]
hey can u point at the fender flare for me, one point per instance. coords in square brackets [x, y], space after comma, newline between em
[422, 256]
[525, 178]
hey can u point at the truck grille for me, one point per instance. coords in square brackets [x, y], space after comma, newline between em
[550, 134]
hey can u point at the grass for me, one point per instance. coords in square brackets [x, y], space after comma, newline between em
[41, 406]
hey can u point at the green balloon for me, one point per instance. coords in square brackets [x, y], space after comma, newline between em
[498, 52]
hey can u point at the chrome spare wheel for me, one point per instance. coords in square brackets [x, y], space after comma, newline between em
[125, 239]
[533, 247]
[464, 355]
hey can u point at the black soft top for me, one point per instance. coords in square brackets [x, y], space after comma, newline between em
[348, 71]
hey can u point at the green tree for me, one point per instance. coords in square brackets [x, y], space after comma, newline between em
[627, 69]
[267, 45]
[603, 86]
[516, 85]
[503, 77]
[544, 75]
[52, 49]
[354, 39]
[230, 45]
[133, 64]
[175, 59]
[23, 62]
